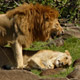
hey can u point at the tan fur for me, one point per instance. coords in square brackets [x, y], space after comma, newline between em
[48, 59]
[5, 29]
[26, 24]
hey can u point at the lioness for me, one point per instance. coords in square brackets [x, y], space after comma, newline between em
[48, 59]
[25, 24]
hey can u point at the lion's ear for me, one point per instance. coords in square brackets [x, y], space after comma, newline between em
[67, 52]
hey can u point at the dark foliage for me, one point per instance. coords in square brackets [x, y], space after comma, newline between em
[69, 9]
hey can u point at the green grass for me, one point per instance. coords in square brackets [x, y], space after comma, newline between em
[71, 44]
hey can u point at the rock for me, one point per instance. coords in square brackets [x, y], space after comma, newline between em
[75, 74]
[55, 79]
[52, 71]
[17, 75]
[64, 23]
[22, 75]
[76, 63]
[58, 41]
[74, 79]
[72, 31]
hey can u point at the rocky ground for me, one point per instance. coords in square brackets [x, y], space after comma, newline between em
[27, 75]
[8, 73]
[6, 58]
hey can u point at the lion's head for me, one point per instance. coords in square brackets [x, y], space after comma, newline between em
[37, 22]
[47, 22]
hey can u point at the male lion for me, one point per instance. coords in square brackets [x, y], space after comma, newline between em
[25, 24]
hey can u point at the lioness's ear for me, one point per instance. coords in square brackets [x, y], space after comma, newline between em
[67, 52]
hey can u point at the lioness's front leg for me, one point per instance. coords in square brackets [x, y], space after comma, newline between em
[17, 49]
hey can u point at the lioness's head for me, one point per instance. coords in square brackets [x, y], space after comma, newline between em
[63, 59]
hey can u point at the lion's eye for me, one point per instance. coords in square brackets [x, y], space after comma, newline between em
[66, 57]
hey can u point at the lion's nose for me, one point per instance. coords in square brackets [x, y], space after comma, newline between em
[62, 32]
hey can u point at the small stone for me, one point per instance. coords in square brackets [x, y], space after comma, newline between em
[52, 71]
[76, 63]
[75, 74]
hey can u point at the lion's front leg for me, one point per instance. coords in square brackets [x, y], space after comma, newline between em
[17, 49]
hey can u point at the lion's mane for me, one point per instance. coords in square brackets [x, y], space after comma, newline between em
[30, 20]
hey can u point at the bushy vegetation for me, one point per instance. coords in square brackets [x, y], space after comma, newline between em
[69, 9]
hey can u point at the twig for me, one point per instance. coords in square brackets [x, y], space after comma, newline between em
[16, 3]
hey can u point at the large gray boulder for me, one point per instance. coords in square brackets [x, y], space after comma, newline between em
[17, 75]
